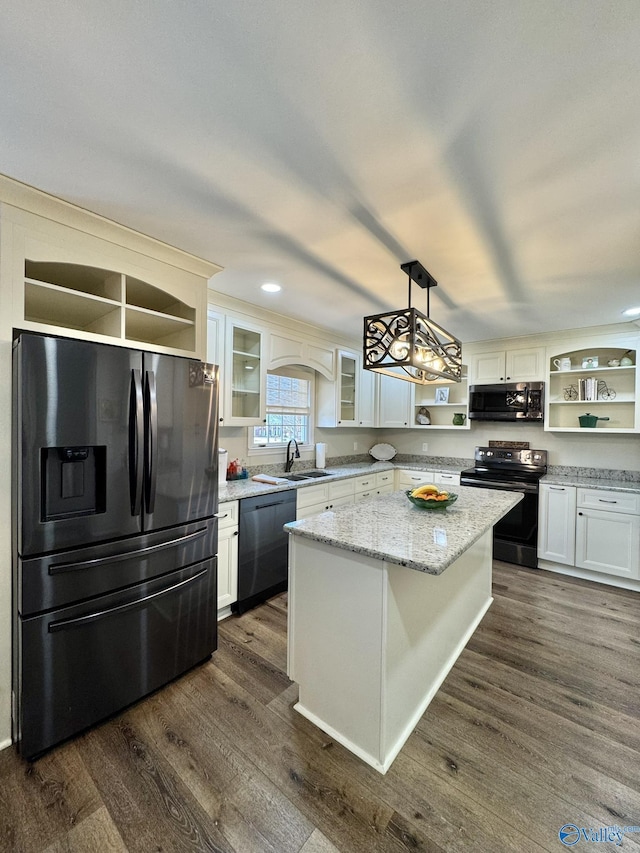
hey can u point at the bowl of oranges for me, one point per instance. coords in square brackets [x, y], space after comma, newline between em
[430, 497]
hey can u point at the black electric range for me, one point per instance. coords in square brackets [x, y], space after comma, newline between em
[515, 537]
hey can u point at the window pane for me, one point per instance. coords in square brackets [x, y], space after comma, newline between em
[288, 411]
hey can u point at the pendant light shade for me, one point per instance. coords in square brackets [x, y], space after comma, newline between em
[409, 345]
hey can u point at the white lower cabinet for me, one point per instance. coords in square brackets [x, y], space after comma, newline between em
[608, 539]
[371, 485]
[227, 554]
[556, 524]
[385, 482]
[311, 500]
[592, 529]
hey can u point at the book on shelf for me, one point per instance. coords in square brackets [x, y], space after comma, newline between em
[588, 389]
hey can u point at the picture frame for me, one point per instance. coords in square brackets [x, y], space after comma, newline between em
[442, 395]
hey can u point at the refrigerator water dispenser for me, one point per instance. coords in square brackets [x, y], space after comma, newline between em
[73, 481]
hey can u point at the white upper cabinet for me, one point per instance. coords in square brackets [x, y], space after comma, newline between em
[517, 365]
[244, 375]
[367, 398]
[395, 402]
[337, 403]
[215, 353]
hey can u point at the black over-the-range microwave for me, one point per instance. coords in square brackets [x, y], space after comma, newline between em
[510, 401]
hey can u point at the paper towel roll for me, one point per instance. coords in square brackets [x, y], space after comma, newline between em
[223, 459]
[321, 455]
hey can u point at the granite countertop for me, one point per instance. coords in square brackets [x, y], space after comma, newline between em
[235, 490]
[388, 527]
[584, 482]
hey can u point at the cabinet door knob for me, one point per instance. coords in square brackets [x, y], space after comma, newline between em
[579, 513]
[235, 532]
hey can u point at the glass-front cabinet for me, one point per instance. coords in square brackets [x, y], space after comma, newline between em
[593, 388]
[349, 369]
[244, 375]
[338, 403]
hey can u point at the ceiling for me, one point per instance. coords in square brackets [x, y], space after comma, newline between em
[321, 143]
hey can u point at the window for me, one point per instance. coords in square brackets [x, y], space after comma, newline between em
[289, 396]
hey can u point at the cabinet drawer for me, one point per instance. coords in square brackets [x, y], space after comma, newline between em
[345, 500]
[614, 501]
[310, 495]
[362, 496]
[365, 484]
[340, 489]
[385, 478]
[414, 478]
[311, 509]
[228, 514]
[386, 490]
[448, 479]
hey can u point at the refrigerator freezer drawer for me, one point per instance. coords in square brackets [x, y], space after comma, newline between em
[59, 579]
[90, 660]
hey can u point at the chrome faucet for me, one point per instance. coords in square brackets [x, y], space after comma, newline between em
[291, 456]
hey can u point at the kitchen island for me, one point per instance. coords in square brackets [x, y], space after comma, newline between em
[383, 597]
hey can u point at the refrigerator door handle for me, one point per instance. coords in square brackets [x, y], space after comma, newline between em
[64, 624]
[136, 441]
[63, 568]
[151, 440]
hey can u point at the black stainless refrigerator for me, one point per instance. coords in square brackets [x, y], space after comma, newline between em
[115, 535]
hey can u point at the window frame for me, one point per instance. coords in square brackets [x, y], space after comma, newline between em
[293, 372]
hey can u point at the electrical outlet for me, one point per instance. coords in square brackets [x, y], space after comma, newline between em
[355, 445]
[425, 446]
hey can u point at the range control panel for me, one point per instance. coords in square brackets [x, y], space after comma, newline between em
[511, 455]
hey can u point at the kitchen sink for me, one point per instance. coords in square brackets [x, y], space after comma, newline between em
[310, 475]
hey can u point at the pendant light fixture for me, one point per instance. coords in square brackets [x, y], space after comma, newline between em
[408, 345]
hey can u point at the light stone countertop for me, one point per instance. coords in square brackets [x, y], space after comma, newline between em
[599, 483]
[390, 528]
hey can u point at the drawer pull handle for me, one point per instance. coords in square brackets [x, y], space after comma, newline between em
[603, 501]
[556, 488]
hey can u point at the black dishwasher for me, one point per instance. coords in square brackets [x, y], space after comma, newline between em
[263, 565]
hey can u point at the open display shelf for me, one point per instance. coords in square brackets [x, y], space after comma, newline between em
[441, 413]
[617, 391]
[104, 302]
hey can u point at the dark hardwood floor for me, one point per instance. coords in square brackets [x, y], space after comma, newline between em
[537, 726]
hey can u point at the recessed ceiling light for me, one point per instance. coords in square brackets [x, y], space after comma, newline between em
[270, 287]
[632, 312]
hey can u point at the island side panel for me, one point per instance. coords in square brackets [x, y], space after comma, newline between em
[335, 642]
[429, 620]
